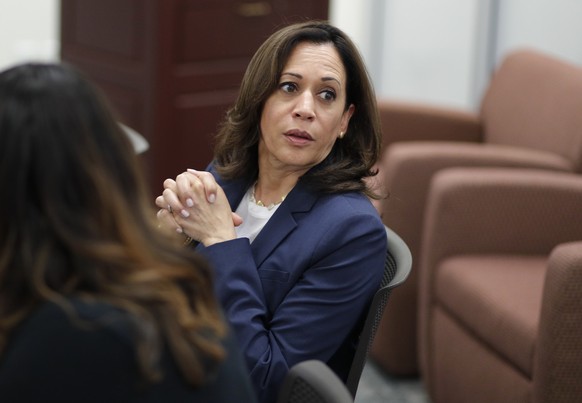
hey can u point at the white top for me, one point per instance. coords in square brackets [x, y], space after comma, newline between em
[254, 216]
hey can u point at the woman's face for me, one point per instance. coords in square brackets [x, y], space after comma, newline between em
[305, 115]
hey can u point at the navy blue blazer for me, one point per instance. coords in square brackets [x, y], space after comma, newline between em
[301, 289]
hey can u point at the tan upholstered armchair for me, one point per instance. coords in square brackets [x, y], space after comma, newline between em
[530, 117]
[501, 287]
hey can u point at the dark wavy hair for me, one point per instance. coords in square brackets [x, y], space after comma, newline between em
[351, 159]
[77, 223]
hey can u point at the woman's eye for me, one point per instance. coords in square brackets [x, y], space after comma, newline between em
[327, 95]
[288, 87]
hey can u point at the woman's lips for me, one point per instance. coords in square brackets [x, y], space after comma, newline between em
[298, 137]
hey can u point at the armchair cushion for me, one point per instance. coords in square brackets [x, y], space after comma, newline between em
[498, 298]
[468, 371]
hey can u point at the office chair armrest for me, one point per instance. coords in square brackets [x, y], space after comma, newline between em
[558, 354]
[420, 122]
[312, 381]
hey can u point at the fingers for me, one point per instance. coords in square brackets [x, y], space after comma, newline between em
[172, 203]
[161, 202]
[210, 185]
[167, 222]
[188, 189]
[170, 184]
[196, 205]
[169, 200]
[236, 219]
[187, 182]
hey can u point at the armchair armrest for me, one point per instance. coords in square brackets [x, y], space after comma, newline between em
[559, 356]
[416, 122]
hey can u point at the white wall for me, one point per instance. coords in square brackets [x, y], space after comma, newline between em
[442, 52]
[554, 26]
[362, 21]
[428, 50]
[29, 30]
[416, 50]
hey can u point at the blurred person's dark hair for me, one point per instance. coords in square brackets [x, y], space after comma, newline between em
[77, 222]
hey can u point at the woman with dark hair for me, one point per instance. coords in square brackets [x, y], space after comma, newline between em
[301, 257]
[96, 303]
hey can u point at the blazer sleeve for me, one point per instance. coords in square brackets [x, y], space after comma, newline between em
[320, 309]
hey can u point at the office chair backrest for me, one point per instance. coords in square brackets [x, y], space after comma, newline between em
[397, 267]
[313, 381]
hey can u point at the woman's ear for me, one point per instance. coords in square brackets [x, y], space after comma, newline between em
[346, 120]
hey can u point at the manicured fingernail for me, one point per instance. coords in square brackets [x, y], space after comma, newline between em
[192, 171]
[212, 198]
[189, 202]
[179, 230]
[185, 214]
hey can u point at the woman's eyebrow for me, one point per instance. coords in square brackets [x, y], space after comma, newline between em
[299, 76]
[331, 79]
[296, 75]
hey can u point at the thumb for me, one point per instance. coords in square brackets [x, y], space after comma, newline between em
[236, 219]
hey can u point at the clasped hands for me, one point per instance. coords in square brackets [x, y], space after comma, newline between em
[196, 206]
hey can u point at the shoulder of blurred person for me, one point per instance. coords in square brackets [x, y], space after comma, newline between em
[86, 352]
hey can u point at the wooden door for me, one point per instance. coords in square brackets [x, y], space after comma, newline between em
[171, 68]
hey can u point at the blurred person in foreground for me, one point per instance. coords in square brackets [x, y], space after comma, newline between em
[283, 212]
[96, 303]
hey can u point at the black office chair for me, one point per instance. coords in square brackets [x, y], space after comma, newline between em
[312, 381]
[396, 269]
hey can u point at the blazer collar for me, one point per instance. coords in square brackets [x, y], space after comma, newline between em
[300, 200]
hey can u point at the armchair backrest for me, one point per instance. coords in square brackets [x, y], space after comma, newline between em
[535, 101]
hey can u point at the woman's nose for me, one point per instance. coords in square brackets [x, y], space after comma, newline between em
[304, 108]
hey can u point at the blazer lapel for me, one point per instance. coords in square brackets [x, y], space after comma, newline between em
[234, 190]
[299, 200]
